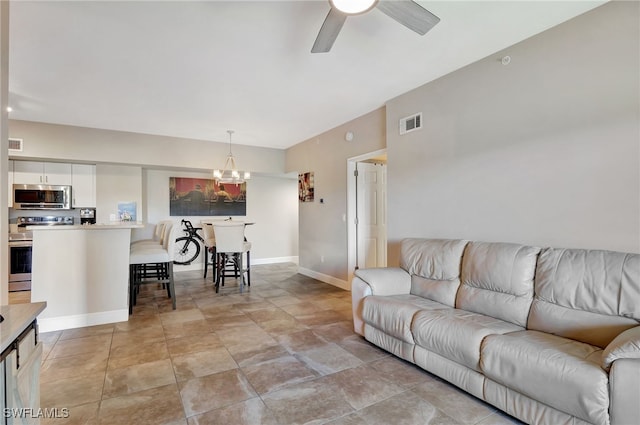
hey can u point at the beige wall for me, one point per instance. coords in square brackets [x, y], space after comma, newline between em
[136, 167]
[71, 144]
[272, 205]
[323, 227]
[4, 98]
[116, 184]
[544, 151]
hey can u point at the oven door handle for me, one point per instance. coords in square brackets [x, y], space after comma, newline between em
[20, 244]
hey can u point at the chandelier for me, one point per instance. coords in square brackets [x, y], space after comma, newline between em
[230, 173]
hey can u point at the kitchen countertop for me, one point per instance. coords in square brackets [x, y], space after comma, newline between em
[99, 226]
[16, 319]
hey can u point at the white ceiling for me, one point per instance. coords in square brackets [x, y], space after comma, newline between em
[195, 69]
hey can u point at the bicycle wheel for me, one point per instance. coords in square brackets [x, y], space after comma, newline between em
[187, 250]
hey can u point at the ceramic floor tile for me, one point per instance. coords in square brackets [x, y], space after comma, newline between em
[316, 401]
[363, 349]
[200, 395]
[405, 408]
[73, 391]
[201, 363]
[277, 373]
[328, 359]
[88, 331]
[133, 354]
[138, 377]
[180, 316]
[193, 327]
[150, 333]
[454, 402]
[301, 341]
[260, 355]
[73, 347]
[155, 406]
[401, 372]
[362, 386]
[85, 414]
[74, 366]
[335, 332]
[193, 344]
[250, 412]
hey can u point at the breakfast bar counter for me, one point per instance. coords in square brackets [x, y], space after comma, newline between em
[82, 272]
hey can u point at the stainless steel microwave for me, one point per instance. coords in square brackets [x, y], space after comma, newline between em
[41, 197]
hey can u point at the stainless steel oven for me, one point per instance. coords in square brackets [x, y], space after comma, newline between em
[20, 249]
[20, 262]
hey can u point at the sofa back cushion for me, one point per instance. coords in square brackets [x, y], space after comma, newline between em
[586, 295]
[434, 266]
[497, 280]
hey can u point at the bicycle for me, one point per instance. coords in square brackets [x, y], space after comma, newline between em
[187, 247]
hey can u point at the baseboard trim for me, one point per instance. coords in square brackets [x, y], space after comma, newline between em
[81, 320]
[342, 284]
[273, 260]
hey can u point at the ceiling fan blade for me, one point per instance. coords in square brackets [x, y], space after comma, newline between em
[329, 31]
[410, 14]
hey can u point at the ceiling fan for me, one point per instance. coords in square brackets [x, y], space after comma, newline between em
[407, 12]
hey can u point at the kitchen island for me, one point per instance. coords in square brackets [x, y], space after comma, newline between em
[82, 272]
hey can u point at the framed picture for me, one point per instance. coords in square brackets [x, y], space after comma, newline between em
[204, 197]
[305, 187]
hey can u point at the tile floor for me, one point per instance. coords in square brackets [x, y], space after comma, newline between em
[282, 352]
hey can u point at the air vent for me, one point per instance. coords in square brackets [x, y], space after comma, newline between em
[411, 123]
[15, 145]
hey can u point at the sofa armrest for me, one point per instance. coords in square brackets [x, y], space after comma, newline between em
[386, 280]
[624, 392]
[624, 346]
[376, 281]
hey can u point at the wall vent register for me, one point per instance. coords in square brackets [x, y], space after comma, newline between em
[411, 123]
[15, 145]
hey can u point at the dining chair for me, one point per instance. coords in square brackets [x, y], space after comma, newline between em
[210, 248]
[231, 247]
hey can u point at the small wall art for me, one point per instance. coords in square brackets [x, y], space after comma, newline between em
[305, 187]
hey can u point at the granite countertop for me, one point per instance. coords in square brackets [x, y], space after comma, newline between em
[16, 319]
[99, 226]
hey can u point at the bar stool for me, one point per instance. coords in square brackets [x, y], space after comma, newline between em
[230, 247]
[150, 264]
[210, 248]
[158, 236]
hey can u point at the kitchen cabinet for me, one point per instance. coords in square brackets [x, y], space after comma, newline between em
[83, 185]
[10, 180]
[20, 364]
[32, 172]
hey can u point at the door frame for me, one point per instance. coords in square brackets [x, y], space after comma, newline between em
[352, 243]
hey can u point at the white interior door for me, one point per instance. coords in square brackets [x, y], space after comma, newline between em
[371, 215]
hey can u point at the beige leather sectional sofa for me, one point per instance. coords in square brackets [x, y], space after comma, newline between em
[550, 336]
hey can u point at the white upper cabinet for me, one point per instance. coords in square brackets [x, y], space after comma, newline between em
[83, 185]
[31, 172]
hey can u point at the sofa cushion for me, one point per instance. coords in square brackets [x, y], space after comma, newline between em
[434, 266]
[586, 295]
[559, 372]
[394, 314]
[456, 334]
[497, 280]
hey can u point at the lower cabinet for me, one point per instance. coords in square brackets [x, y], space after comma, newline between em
[20, 376]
